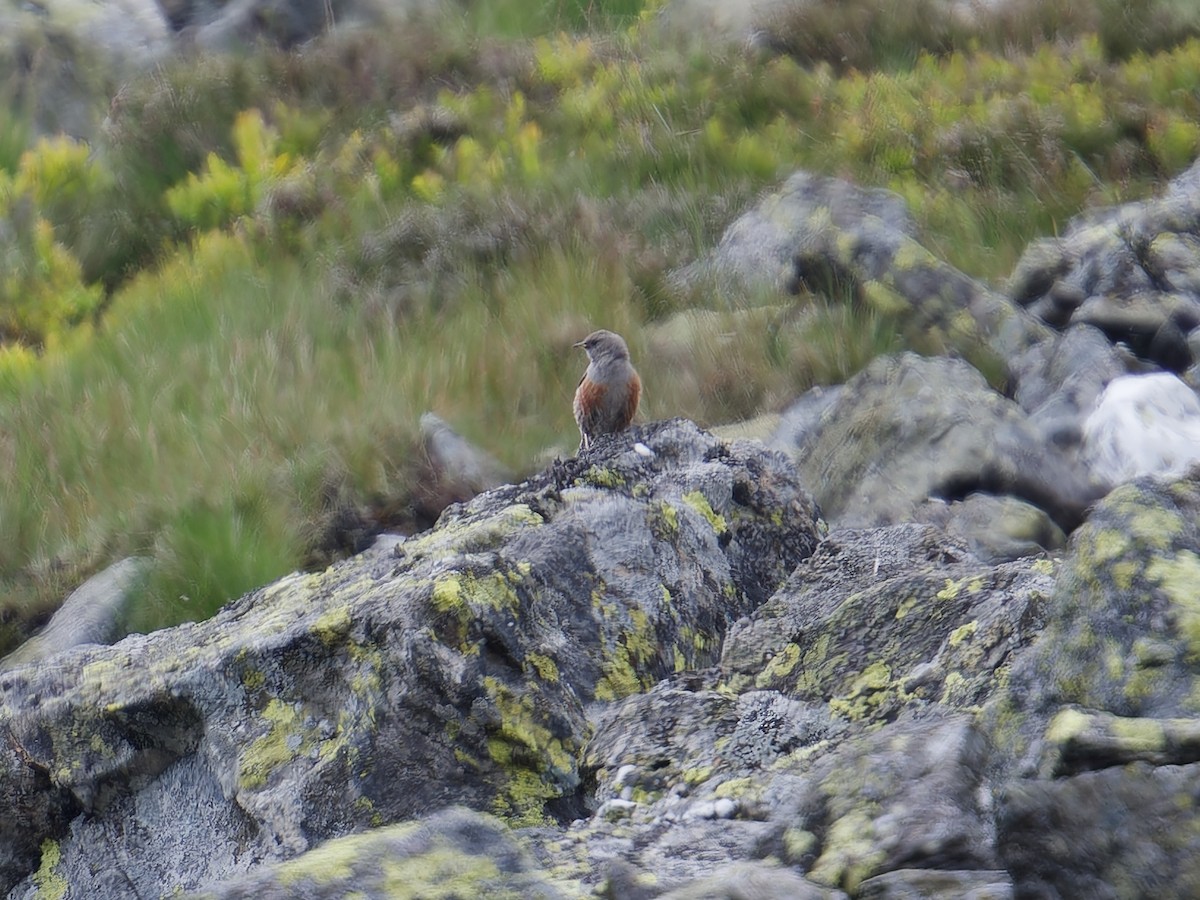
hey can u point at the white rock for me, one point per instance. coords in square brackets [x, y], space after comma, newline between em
[1142, 425]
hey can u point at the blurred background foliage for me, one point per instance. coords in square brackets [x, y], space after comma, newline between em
[222, 316]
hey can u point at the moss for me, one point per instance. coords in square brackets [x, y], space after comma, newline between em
[1139, 735]
[1043, 567]
[798, 843]
[697, 501]
[331, 862]
[955, 689]
[738, 788]
[473, 536]
[1067, 725]
[619, 678]
[669, 517]
[366, 808]
[50, 884]
[905, 607]
[680, 663]
[254, 680]
[951, 590]
[1154, 526]
[464, 596]
[697, 776]
[534, 762]
[884, 299]
[544, 666]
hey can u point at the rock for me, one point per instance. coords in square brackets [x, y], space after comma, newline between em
[827, 236]
[1119, 633]
[1132, 271]
[1122, 832]
[752, 881]
[728, 20]
[1142, 425]
[759, 249]
[800, 421]
[908, 429]
[1079, 741]
[950, 622]
[455, 469]
[472, 854]
[1096, 726]
[66, 57]
[91, 615]
[996, 529]
[286, 23]
[381, 690]
[921, 884]
[1059, 380]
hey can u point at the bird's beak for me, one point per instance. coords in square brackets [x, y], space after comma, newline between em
[578, 344]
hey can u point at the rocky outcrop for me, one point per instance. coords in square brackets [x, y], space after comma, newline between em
[641, 673]
[382, 689]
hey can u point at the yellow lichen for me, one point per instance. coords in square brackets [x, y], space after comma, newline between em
[50, 884]
[963, 633]
[697, 501]
[780, 665]
[286, 738]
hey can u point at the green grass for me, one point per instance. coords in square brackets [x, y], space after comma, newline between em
[302, 252]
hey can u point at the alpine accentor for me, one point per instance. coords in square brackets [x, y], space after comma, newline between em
[608, 392]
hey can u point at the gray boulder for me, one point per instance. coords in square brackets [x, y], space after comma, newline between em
[908, 429]
[828, 236]
[90, 615]
[996, 529]
[1059, 380]
[453, 470]
[1121, 832]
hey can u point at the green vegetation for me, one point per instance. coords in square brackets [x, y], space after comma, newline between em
[223, 316]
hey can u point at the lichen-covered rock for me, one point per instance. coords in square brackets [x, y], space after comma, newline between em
[1132, 271]
[996, 529]
[753, 881]
[878, 619]
[922, 884]
[1095, 729]
[1122, 631]
[908, 429]
[828, 236]
[453, 853]
[383, 689]
[1122, 832]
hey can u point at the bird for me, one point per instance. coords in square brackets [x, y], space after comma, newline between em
[608, 393]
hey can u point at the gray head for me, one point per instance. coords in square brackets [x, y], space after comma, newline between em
[602, 346]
